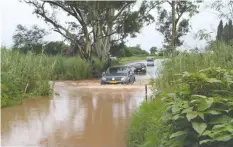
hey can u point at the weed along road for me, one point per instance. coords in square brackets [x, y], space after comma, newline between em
[81, 114]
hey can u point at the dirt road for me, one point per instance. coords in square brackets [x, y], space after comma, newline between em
[80, 114]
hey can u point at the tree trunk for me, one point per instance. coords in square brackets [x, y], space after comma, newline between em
[173, 43]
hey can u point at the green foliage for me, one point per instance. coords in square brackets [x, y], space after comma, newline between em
[202, 110]
[35, 70]
[109, 22]
[29, 39]
[220, 31]
[147, 127]
[153, 50]
[198, 102]
[55, 48]
[225, 33]
[181, 24]
[222, 56]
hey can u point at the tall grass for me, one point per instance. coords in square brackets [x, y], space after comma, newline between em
[222, 56]
[145, 128]
[30, 73]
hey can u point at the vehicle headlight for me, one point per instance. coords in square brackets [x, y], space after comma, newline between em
[143, 68]
[123, 78]
[103, 78]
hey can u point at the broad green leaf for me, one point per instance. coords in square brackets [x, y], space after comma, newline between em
[201, 115]
[199, 127]
[195, 101]
[205, 105]
[213, 80]
[198, 97]
[213, 112]
[221, 119]
[205, 141]
[175, 109]
[178, 133]
[207, 132]
[176, 117]
[224, 137]
[190, 109]
[191, 115]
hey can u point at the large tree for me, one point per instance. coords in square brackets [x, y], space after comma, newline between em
[172, 23]
[94, 25]
[29, 39]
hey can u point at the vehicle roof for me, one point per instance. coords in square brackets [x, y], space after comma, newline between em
[119, 66]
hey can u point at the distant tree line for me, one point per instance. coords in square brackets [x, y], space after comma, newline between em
[31, 40]
[225, 32]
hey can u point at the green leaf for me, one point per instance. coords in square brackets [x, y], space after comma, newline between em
[175, 109]
[213, 80]
[201, 115]
[205, 141]
[198, 97]
[191, 115]
[205, 105]
[190, 109]
[225, 137]
[207, 132]
[220, 119]
[213, 112]
[178, 133]
[199, 127]
[176, 117]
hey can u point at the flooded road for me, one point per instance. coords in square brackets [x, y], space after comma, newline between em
[80, 114]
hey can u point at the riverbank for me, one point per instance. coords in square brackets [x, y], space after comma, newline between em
[29, 74]
[172, 117]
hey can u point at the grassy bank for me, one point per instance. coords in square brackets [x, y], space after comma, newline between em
[194, 106]
[29, 74]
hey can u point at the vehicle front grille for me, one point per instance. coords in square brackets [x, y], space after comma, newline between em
[116, 78]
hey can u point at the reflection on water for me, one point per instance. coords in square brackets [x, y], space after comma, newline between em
[87, 118]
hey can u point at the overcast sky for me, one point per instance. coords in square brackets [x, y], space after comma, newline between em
[13, 13]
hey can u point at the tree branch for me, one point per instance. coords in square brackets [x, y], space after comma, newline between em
[120, 11]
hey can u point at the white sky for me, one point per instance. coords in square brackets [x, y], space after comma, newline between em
[12, 13]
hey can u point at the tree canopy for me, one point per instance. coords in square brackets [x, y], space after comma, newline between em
[29, 39]
[171, 20]
[94, 25]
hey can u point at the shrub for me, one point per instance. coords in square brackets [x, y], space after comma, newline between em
[201, 110]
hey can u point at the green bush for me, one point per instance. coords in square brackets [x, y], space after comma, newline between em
[198, 103]
[201, 113]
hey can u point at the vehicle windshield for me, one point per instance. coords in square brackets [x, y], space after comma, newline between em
[138, 65]
[117, 70]
[150, 60]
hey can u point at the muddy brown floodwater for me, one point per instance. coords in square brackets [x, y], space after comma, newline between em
[75, 116]
[79, 114]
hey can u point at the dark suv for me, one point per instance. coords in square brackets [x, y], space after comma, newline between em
[139, 68]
